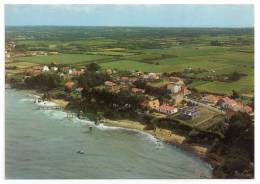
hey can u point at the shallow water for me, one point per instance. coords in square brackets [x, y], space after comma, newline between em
[43, 144]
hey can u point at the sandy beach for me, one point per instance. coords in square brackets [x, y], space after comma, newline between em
[162, 134]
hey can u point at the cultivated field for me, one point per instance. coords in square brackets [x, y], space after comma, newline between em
[212, 51]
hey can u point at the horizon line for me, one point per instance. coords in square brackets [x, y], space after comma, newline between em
[238, 27]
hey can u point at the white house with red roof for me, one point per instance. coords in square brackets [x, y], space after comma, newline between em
[166, 109]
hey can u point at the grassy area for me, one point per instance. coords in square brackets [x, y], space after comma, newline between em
[62, 59]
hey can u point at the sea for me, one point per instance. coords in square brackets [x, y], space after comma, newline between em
[46, 144]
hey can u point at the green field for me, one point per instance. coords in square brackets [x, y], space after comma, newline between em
[63, 59]
[148, 50]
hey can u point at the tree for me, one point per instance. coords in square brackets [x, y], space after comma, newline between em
[234, 94]
[93, 67]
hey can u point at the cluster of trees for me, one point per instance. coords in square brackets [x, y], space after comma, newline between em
[237, 147]
[44, 81]
[121, 101]
[154, 91]
[92, 77]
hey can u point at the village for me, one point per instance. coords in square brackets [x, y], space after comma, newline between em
[163, 94]
[177, 102]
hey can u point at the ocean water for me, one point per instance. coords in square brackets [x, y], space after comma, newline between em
[43, 144]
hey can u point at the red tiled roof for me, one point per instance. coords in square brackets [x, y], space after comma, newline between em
[248, 109]
[69, 84]
[167, 107]
[229, 101]
[135, 90]
[109, 83]
[213, 98]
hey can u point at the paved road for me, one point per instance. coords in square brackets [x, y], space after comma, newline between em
[205, 105]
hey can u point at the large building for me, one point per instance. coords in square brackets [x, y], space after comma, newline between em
[176, 87]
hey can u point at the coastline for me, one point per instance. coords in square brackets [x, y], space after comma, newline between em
[164, 135]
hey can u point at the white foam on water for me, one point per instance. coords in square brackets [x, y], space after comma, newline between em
[46, 104]
[33, 95]
[26, 100]
[60, 115]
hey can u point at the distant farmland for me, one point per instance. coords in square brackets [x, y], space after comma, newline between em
[173, 50]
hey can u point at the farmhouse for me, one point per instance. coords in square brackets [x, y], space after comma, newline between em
[167, 109]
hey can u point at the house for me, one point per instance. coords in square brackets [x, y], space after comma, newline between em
[124, 79]
[111, 86]
[133, 79]
[36, 70]
[109, 71]
[213, 99]
[166, 109]
[45, 68]
[227, 103]
[78, 90]
[190, 112]
[138, 90]
[67, 70]
[69, 84]
[229, 114]
[77, 72]
[54, 68]
[151, 76]
[53, 53]
[150, 103]
[186, 91]
[247, 109]
[177, 91]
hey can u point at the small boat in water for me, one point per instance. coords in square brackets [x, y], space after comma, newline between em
[80, 152]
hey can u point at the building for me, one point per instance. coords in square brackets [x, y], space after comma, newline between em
[69, 84]
[213, 99]
[111, 86]
[229, 114]
[77, 72]
[247, 109]
[138, 90]
[54, 68]
[150, 103]
[151, 76]
[166, 109]
[186, 91]
[227, 103]
[177, 92]
[190, 112]
[45, 68]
